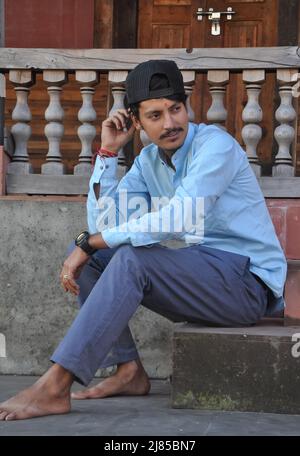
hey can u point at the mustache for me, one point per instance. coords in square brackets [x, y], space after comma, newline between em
[169, 132]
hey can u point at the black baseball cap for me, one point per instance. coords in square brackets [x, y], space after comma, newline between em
[138, 81]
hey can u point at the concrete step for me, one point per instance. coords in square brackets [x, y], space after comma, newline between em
[241, 369]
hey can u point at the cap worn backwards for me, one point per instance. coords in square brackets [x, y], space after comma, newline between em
[138, 81]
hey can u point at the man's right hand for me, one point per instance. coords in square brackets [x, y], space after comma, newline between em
[114, 134]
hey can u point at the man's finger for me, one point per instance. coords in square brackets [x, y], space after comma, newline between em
[68, 283]
[119, 121]
[123, 111]
[71, 289]
[72, 286]
[112, 122]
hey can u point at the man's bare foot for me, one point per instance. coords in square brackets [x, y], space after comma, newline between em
[130, 379]
[50, 395]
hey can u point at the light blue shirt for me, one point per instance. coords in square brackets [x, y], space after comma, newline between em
[210, 165]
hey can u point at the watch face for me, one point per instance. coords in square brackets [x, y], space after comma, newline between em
[80, 237]
[82, 242]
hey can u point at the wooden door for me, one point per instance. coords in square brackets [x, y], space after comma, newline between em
[174, 24]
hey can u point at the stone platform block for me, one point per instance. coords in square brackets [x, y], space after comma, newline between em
[239, 369]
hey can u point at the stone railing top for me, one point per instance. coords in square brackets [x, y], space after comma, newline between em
[126, 59]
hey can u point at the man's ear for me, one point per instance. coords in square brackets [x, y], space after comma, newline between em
[136, 122]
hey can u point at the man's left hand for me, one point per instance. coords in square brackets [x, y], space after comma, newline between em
[74, 263]
[71, 270]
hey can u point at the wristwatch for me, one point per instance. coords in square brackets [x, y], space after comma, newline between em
[82, 241]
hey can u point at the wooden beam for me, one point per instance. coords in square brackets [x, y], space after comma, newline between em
[103, 24]
[4, 160]
[126, 59]
[37, 184]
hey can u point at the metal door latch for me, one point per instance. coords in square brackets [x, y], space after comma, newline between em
[215, 17]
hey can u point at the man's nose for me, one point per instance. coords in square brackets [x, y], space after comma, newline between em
[168, 121]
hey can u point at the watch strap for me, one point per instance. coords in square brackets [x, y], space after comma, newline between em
[82, 242]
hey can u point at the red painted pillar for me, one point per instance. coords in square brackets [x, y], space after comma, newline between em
[49, 23]
[285, 214]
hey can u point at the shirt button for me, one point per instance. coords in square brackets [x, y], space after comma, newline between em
[106, 166]
[101, 167]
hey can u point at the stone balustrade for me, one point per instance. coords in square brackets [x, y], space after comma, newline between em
[21, 66]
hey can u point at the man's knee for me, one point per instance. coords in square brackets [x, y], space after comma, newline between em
[125, 250]
[128, 253]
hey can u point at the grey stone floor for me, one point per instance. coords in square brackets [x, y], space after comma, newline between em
[143, 416]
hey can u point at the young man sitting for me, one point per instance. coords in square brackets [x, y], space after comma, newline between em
[229, 271]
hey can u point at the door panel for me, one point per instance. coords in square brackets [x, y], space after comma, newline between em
[247, 34]
[247, 1]
[171, 15]
[174, 2]
[166, 19]
[172, 24]
[171, 36]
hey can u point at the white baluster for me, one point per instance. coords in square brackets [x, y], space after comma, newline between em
[21, 131]
[54, 115]
[217, 80]
[189, 82]
[116, 81]
[285, 133]
[86, 115]
[252, 114]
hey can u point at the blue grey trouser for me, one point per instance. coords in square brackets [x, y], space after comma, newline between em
[196, 284]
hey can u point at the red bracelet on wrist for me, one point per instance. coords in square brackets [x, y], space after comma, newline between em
[106, 153]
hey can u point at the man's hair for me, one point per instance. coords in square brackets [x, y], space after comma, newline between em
[158, 81]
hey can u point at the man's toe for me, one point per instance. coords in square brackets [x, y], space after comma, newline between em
[3, 415]
[79, 395]
[11, 416]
